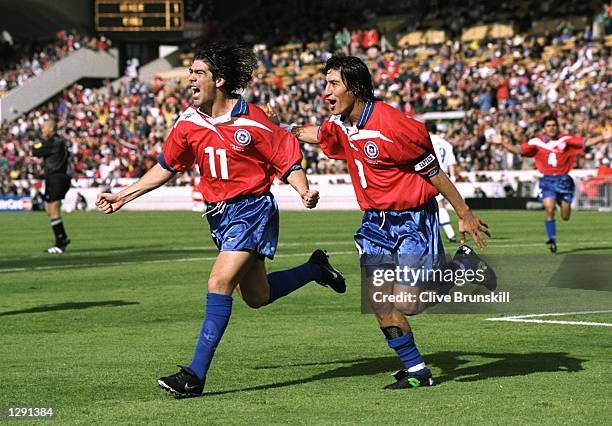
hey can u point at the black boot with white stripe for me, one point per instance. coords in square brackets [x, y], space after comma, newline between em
[59, 247]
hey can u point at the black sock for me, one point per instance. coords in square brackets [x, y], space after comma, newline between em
[58, 230]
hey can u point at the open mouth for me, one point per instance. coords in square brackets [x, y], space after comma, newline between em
[195, 91]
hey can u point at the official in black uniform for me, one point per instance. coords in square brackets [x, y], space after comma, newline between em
[55, 154]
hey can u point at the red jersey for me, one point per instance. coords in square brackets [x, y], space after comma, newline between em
[238, 153]
[554, 157]
[389, 157]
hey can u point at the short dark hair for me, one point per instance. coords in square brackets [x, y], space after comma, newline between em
[355, 75]
[548, 118]
[234, 63]
[431, 126]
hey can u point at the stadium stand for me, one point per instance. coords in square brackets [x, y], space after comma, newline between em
[19, 60]
[507, 80]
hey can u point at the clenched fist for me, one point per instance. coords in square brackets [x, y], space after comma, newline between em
[108, 203]
[310, 198]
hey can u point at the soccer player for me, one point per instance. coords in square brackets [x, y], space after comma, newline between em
[396, 177]
[55, 154]
[239, 152]
[555, 155]
[446, 160]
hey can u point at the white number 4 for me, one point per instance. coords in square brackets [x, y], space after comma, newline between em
[552, 159]
[222, 161]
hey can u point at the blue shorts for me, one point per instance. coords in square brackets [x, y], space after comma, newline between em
[246, 223]
[401, 238]
[559, 188]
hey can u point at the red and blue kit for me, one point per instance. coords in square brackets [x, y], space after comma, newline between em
[239, 153]
[554, 156]
[389, 157]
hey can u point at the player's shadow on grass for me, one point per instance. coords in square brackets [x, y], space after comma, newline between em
[451, 364]
[68, 307]
[585, 249]
[454, 368]
[357, 367]
[116, 248]
[93, 258]
[150, 249]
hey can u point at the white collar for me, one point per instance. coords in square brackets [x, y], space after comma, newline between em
[224, 118]
[344, 125]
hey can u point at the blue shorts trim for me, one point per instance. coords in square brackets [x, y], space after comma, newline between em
[401, 238]
[559, 188]
[248, 223]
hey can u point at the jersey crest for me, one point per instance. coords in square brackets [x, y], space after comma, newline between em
[371, 150]
[242, 137]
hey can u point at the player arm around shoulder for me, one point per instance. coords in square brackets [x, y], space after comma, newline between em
[155, 177]
[308, 134]
[471, 224]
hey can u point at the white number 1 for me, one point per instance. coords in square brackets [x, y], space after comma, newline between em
[364, 183]
[222, 161]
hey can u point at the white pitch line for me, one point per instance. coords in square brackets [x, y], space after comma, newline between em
[148, 249]
[600, 324]
[526, 318]
[560, 314]
[316, 243]
[144, 262]
[564, 244]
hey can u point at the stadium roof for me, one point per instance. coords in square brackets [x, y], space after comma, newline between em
[35, 19]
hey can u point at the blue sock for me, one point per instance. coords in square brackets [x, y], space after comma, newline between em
[284, 282]
[218, 311]
[551, 229]
[408, 353]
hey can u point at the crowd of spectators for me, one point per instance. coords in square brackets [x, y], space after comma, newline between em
[297, 20]
[506, 85]
[501, 86]
[20, 61]
[114, 132]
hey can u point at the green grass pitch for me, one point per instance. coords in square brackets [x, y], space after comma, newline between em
[90, 331]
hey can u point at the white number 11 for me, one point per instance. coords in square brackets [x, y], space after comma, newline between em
[222, 161]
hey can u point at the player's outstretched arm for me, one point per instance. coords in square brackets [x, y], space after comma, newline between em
[505, 143]
[603, 138]
[306, 134]
[154, 178]
[471, 224]
[297, 179]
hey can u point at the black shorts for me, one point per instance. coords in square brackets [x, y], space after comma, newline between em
[56, 187]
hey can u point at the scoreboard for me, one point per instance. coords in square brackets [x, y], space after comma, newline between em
[139, 15]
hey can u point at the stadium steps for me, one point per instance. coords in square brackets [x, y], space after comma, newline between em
[83, 63]
[161, 66]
